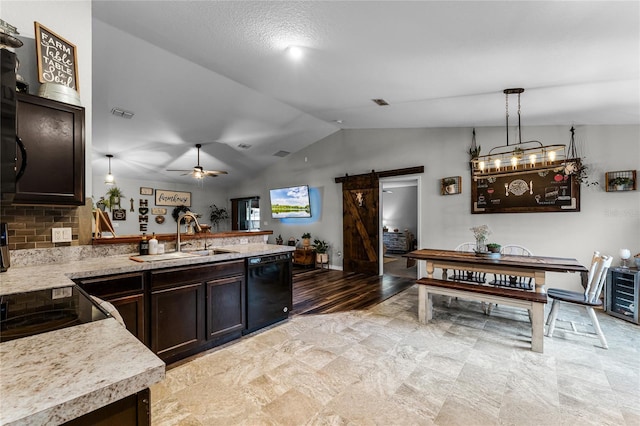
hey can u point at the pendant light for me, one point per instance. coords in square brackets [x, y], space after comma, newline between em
[521, 157]
[109, 179]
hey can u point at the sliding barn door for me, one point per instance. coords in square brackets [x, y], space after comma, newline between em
[360, 200]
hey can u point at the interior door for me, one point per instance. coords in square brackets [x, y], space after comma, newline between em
[360, 200]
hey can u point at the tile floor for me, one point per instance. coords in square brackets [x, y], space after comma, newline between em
[380, 366]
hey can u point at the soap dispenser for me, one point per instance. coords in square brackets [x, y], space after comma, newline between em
[153, 244]
[144, 245]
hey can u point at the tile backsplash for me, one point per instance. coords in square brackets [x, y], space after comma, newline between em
[30, 226]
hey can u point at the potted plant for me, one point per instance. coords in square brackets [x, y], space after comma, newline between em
[321, 248]
[620, 182]
[494, 247]
[218, 214]
[306, 239]
[112, 198]
[449, 185]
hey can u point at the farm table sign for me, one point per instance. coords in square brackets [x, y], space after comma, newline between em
[57, 58]
[166, 197]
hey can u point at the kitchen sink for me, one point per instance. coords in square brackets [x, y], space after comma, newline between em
[210, 252]
[163, 256]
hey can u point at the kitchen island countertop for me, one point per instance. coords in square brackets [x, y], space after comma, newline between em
[57, 376]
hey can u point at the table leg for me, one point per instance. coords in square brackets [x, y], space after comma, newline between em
[423, 303]
[537, 327]
[538, 277]
[430, 269]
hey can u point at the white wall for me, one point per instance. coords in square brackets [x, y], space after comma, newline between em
[400, 208]
[70, 20]
[607, 220]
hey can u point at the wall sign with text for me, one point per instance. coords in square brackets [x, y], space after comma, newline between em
[166, 197]
[57, 59]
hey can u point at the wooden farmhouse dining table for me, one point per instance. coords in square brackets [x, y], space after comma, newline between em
[535, 267]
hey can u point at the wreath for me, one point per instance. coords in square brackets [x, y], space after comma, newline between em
[180, 209]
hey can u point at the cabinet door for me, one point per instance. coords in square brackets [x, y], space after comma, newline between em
[126, 293]
[131, 309]
[53, 135]
[177, 319]
[225, 307]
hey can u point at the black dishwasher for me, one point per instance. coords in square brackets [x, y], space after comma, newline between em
[269, 290]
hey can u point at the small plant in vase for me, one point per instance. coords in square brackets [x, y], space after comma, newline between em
[218, 214]
[449, 185]
[494, 247]
[306, 240]
[621, 182]
[112, 198]
[321, 248]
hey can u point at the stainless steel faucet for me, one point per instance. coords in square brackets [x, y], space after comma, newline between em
[180, 219]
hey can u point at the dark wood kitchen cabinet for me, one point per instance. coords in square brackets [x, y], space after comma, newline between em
[53, 135]
[126, 293]
[194, 308]
[225, 307]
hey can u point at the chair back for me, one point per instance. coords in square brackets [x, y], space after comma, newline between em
[515, 249]
[597, 277]
[468, 246]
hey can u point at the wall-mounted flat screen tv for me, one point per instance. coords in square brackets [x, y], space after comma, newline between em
[290, 202]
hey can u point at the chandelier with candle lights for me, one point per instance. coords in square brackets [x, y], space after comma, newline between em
[521, 157]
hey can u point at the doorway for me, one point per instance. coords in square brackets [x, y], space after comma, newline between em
[400, 225]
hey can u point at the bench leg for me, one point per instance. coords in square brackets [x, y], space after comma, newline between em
[422, 304]
[537, 327]
[551, 320]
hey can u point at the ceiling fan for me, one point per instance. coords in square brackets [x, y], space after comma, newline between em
[198, 171]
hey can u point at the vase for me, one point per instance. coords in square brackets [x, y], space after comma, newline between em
[481, 247]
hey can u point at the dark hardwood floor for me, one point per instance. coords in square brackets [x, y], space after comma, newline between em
[320, 291]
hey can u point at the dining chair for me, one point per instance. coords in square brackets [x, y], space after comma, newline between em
[464, 275]
[590, 298]
[513, 281]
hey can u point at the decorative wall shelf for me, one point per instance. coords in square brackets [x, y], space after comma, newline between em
[623, 180]
[451, 185]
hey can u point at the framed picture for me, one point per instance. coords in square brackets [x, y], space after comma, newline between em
[57, 59]
[165, 197]
[159, 210]
[146, 191]
[119, 214]
[451, 185]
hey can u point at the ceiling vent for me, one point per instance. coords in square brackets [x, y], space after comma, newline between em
[122, 113]
[244, 145]
[281, 154]
[380, 102]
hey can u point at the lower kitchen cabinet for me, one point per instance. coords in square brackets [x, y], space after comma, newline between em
[177, 316]
[194, 308]
[225, 307]
[126, 293]
[129, 411]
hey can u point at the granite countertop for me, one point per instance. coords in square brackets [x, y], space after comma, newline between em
[27, 278]
[57, 376]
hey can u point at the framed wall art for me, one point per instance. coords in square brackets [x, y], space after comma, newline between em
[165, 197]
[451, 185]
[146, 191]
[529, 192]
[57, 58]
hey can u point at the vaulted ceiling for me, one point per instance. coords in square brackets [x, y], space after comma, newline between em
[218, 74]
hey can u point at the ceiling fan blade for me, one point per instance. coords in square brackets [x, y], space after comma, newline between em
[177, 170]
[215, 172]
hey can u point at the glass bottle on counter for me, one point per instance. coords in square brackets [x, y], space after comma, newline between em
[144, 245]
[153, 244]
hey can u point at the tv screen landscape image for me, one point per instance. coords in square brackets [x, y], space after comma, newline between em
[290, 202]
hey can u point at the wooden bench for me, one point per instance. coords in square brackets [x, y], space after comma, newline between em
[532, 301]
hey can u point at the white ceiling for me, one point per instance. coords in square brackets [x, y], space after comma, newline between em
[216, 73]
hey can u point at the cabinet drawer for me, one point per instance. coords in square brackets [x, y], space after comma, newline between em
[112, 286]
[189, 274]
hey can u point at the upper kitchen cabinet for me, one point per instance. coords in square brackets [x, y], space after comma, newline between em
[53, 135]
